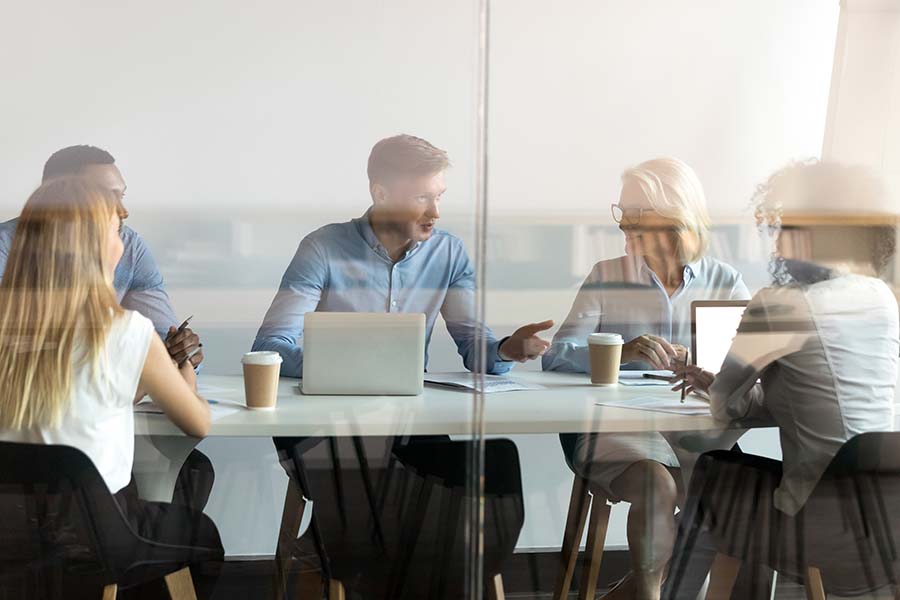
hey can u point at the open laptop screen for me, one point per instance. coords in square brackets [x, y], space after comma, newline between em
[713, 325]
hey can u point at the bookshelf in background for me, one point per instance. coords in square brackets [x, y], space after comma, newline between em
[843, 240]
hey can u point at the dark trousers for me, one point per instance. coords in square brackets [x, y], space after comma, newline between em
[182, 521]
[195, 482]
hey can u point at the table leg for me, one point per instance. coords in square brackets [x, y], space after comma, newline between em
[157, 462]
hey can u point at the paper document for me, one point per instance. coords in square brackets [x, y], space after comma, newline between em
[665, 404]
[217, 408]
[205, 389]
[464, 380]
[637, 378]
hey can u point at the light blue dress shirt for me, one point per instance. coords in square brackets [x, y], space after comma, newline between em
[343, 267]
[624, 296]
[138, 283]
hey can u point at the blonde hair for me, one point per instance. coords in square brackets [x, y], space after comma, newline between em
[674, 191]
[54, 300]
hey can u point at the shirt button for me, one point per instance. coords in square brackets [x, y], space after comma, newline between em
[393, 303]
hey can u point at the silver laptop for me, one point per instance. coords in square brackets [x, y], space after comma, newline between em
[713, 326]
[363, 353]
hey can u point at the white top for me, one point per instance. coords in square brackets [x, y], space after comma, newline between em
[827, 356]
[99, 420]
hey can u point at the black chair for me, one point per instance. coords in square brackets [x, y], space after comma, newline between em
[421, 550]
[442, 468]
[844, 540]
[291, 452]
[62, 532]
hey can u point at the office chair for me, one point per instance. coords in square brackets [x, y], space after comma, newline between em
[61, 531]
[843, 540]
[422, 513]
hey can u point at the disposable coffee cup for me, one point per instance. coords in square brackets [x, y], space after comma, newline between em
[261, 371]
[606, 356]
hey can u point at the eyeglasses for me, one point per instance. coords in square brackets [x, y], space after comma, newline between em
[628, 216]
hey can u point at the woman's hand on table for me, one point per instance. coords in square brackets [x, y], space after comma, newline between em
[692, 378]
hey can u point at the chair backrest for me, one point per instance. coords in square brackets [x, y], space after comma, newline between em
[874, 452]
[568, 441]
[57, 515]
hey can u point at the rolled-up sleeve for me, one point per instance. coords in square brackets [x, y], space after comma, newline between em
[147, 292]
[774, 325]
[299, 293]
[458, 311]
[569, 351]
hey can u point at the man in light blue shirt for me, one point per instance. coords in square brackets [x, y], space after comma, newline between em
[392, 259]
[138, 283]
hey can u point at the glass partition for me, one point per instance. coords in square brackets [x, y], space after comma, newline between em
[299, 181]
[448, 300]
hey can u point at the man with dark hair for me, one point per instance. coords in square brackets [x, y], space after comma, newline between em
[392, 259]
[137, 281]
[139, 287]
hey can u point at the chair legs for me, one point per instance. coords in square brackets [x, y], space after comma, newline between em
[579, 503]
[722, 576]
[813, 584]
[495, 588]
[594, 551]
[180, 585]
[336, 590]
[291, 517]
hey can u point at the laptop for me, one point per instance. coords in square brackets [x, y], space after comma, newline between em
[714, 324]
[363, 353]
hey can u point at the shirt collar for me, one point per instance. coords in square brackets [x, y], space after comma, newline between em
[364, 226]
[691, 270]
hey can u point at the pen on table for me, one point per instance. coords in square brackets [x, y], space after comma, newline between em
[657, 377]
[687, 355]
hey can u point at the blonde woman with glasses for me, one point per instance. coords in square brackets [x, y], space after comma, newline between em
[73, 361]
[646, 297]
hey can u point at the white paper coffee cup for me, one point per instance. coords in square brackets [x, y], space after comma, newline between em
[606, 355]
[261, 371]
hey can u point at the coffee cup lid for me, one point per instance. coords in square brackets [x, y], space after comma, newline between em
[606, 339]
[265, 357]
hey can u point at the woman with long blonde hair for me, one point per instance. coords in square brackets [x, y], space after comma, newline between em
[73, 361]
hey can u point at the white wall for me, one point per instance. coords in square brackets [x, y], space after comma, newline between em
[218, 109]
[863, 113]
[224, 106]
[583, 89]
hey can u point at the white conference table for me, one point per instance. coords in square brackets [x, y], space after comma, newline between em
[567, 404]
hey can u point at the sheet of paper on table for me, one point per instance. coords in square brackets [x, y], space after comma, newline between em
[464, 380]
[218, 409]
[205, 389]
[665, 404]
[637, 378]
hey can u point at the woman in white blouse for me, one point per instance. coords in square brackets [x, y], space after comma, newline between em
[73, 361]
